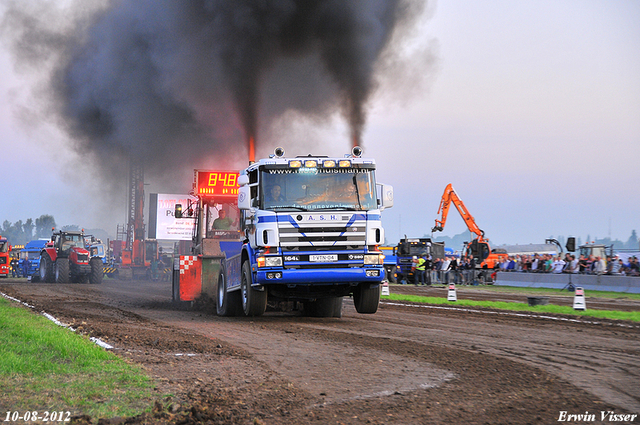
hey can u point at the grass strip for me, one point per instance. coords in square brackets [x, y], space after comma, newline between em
[552, 291]
[514, 306]
[44, 367]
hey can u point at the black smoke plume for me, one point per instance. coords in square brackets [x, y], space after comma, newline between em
[184, 84]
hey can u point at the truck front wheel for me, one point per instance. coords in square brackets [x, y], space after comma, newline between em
[227, 303]
[366, 298]
[254, 302]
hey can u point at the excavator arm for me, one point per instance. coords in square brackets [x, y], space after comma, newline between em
[450, 196]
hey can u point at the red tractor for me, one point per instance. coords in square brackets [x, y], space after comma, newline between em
[66, 258]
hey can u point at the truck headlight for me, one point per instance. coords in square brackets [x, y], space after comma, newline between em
[269, 261]
[371, 259]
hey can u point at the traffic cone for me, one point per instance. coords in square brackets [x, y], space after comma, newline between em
[451, 296]
[579, 302]
[385, 289]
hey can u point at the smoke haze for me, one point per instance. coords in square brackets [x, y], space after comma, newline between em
[184, 84]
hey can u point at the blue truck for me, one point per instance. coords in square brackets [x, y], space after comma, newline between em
[303, 229]
[409, 249]
[29, 262]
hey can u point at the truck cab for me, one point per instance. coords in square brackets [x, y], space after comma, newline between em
[312, 228]
[410, 248]
[597, 250]
[29, 262]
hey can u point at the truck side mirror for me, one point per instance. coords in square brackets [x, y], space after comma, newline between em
[243, 180]
[244, 197]
[178, 211]
[386, 196]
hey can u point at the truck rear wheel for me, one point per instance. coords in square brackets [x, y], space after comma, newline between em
[324, 307]
[62, 270]
[366, 298]
[254, 302]
[227, 303]
[97, 271]
[46, 271]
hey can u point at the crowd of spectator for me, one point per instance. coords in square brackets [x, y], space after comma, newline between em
[451, 269]
[547, 263]
[466, 270]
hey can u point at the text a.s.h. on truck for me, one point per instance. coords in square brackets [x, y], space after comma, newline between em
[304, 229]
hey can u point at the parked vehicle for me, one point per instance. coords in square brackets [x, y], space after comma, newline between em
[29, 262]
[66, 259]
[479, 247]
[5, 258]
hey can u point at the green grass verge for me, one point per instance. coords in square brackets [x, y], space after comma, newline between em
[514, 306]
[551, 291]
[44, 367]
[541, 291]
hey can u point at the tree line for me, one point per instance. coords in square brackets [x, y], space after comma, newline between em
[19, 233]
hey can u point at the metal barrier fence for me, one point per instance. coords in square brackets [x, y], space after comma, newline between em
[459, 277]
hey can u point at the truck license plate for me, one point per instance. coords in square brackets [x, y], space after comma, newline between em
[325, 258]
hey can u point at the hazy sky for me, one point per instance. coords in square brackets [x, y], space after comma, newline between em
[531, 110]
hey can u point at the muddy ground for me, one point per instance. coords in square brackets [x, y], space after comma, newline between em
[406, 364]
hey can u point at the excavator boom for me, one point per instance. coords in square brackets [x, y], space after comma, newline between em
[479, 248]
[450, 196]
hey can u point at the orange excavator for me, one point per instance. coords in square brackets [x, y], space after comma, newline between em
[479, 247]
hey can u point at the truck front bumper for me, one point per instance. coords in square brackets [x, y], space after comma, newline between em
[324, 276]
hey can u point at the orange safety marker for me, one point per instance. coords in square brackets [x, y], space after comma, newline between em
[385, 288]
[579, 302]
[451, 296]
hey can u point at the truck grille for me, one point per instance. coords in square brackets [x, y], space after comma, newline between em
[347, 232]
[83, 258]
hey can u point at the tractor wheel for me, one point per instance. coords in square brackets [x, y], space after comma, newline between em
[97, 271]
[254, 302]
[366, 298]
[227, 303]
[46, 271]
[324, 307]
[62, 270]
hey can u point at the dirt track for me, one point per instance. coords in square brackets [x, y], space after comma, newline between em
[403, 365]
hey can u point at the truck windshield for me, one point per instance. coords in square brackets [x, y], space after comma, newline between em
[318, 189]
[4, 246]
[415, 248]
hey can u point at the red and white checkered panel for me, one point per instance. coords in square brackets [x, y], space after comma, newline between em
[186, 262]
[190, 281]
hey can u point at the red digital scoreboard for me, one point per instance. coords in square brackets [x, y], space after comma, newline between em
[219, 186]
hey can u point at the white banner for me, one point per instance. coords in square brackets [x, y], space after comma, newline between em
[169, 227]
